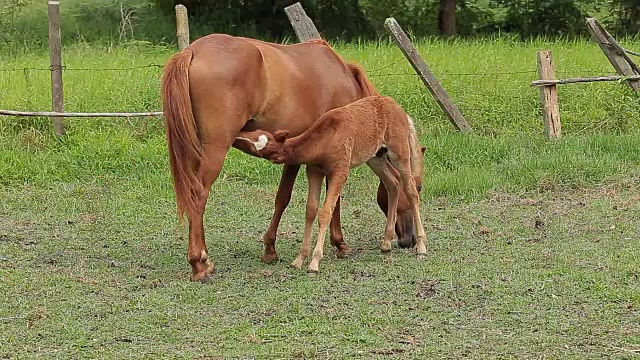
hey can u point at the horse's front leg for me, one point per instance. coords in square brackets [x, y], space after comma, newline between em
[283, 196]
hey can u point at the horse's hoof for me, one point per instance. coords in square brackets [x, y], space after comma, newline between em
[203, 277]
[422, 256]
[269, 258]
[343, 253]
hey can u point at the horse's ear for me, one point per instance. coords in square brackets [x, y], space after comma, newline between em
[281, 135]
[422, 150]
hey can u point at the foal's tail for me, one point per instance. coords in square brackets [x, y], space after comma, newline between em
[182, 137]
[368, 89]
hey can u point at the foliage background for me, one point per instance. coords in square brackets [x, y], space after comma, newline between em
[23, 23]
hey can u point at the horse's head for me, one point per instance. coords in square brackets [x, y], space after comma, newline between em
[263, 144]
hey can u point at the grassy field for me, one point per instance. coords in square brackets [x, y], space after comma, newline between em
[532, 244]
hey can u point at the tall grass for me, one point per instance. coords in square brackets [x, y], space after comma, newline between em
[488, 79]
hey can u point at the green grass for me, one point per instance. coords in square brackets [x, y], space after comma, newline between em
[533, 244]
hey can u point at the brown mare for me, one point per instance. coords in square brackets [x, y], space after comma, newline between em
[220, 85]
[373, 130]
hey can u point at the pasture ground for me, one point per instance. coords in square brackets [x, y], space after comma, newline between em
[533, 245]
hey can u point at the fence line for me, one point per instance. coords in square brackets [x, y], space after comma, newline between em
[65, 68]
[79, 114]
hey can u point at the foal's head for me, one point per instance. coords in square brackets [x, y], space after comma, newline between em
[405, 228]
[264, 144]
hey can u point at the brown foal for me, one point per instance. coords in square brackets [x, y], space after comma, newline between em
[374, 130]
[220, 85]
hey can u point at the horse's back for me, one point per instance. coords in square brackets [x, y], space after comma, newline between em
[289, 86]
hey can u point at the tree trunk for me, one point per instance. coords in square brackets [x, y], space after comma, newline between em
[447, 17]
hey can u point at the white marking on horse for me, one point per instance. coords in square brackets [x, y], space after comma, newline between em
[260, 144]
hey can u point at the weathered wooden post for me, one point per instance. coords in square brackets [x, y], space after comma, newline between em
[55, 55]
[614, 52]
[182, 26]
[549, 96]
[302, 24]
[420, 66]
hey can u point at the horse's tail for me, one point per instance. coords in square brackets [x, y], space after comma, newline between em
[182, 136]
[368, 89]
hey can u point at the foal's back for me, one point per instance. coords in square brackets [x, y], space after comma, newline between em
[360, 128]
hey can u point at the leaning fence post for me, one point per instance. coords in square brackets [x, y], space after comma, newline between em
[55, 54]
[613, 52]
[302, 24]
[549, 96]
[420, 66]
[182, 26]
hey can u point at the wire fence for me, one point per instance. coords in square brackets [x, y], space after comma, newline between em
[474, 104]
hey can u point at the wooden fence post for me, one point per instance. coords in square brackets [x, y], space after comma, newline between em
[549, 96]
[182, 26]
[55, 54]
[420, 66]
[612, 50]
[302, 24]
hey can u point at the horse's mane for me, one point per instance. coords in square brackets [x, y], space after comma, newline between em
[360, 76]
[414, 147]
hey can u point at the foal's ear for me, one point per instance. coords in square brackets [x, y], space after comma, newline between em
[281, 135]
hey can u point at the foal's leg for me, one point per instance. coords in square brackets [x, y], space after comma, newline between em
[335, 232]
[283, 196]
[386, 174]
[402, 163]
[315, 178]
[336, 181]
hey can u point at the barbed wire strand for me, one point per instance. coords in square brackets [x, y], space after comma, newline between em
[65, 68]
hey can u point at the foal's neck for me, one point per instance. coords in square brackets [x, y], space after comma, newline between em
[298, 150]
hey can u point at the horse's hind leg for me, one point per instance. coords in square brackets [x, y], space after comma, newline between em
[208, 171]
[283, 196]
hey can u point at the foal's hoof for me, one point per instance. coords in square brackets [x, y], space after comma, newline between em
[314, 267]
[206, 279]
[269, 258]
[297, 264]
[312, 273]
[422, 256]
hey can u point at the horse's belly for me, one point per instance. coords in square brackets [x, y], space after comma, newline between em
[273, 123]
